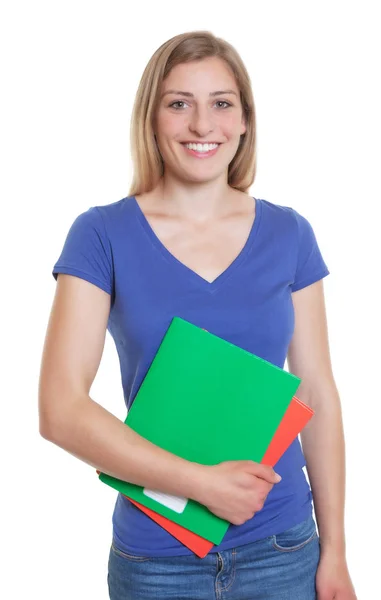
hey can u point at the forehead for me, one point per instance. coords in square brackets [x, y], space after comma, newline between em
[201, 75]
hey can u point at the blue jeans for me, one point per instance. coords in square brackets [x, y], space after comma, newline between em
[281, 567]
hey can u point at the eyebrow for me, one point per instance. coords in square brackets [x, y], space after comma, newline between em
[189, 95]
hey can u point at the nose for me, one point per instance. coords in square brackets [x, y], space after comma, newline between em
[201, 122]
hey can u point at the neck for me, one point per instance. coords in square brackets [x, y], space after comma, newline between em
[196, 202]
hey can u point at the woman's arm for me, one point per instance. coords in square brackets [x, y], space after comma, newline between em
[323, 438]
[71, 419]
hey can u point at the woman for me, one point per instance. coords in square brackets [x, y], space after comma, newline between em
[189, 241]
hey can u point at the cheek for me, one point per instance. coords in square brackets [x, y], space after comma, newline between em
[230, 124]
[169, 125]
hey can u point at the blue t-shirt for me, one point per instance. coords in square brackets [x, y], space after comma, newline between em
[249, 304]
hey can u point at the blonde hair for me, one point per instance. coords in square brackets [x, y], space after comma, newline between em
[147, 162]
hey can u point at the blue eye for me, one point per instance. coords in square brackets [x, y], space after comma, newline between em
[182, 102]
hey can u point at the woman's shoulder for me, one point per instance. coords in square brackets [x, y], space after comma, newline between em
[278, 216]
[117, 207]
[275, 208]
[113, 215]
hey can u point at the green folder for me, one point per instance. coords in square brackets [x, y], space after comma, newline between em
[208, 401]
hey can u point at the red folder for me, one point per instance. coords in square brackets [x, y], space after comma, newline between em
[295, 418]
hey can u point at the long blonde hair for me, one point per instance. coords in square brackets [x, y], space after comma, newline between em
[147, 162]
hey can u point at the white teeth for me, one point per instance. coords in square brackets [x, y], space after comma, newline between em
[201, 147]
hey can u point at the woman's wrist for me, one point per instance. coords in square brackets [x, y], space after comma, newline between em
[196, 482]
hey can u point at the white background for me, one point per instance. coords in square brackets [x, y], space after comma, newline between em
[69, 74]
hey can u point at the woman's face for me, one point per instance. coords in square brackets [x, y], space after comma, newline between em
[190, 110]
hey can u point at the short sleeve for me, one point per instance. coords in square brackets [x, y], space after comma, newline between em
[86, 252]
[310, 265]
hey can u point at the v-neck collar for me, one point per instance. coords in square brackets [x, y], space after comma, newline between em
[192, 275]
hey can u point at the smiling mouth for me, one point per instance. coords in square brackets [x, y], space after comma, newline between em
[202, 143]
[201, 153]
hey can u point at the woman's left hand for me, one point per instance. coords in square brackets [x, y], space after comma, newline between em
[333, 581]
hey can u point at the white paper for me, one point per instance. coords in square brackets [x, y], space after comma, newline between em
[175, 503]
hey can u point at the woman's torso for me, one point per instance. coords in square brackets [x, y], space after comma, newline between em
[233, 280]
